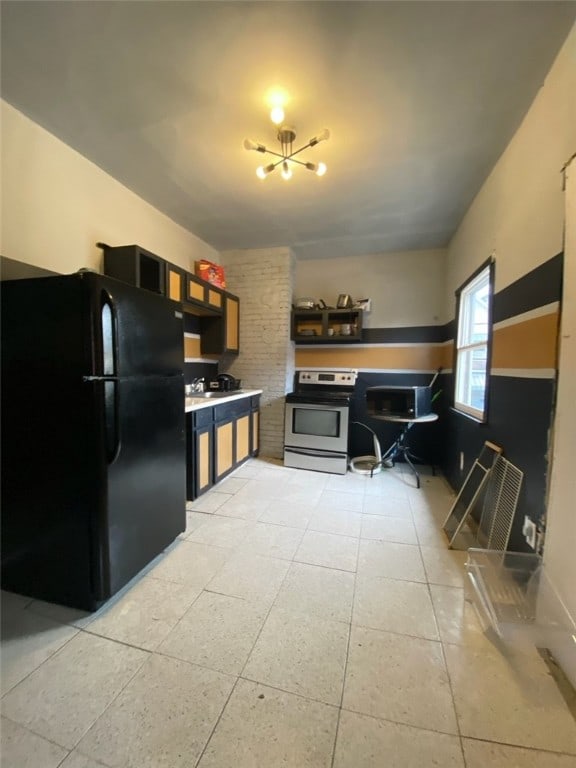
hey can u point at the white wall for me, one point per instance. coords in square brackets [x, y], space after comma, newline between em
[263, 280]
[518, 214]
[406, 288]
[56, 205]
[560, 544]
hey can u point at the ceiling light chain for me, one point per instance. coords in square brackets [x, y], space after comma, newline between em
[286, 135]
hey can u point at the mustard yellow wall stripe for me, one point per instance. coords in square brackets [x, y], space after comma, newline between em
[416, 358]
[528, 344]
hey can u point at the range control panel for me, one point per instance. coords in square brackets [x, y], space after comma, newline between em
[328, 378]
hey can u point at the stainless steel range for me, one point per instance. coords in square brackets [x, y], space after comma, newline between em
[316, 421]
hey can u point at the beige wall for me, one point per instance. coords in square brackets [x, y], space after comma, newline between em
[407, 288]
[56, 205]
[518, 214]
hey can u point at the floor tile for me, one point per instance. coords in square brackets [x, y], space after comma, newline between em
[365, 742]
[389, 482]
[398, 678]
[146, 614]
[220, 531]
[329, 550]
[444, 566]
[457, 620]
[291, 513]
[390, 560]
[245, 507]
[430, 534]
[339, 521]
[338, 500]
[193, 521]
[191, 563]
[300, 655]
[348, 483]
[209, 502]
[388, 529]
[231, 485]
[163, 718]
[76, 760]
[251, 577]
[265, 728]
[272, 541]
[395, 606]
[387, 506]
[11, 601]
[511, 700]
[28, 639]
[317, 592]
[480, 754]
[63, 697]
[218, 631]
[23, 749]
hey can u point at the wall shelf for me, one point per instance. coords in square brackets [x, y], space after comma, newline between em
[326, 326]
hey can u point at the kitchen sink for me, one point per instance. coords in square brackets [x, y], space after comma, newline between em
[216, 395]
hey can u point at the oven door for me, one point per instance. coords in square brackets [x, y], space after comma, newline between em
[316, 426]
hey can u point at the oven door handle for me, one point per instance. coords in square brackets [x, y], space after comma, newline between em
[307, 403]
[313, 452]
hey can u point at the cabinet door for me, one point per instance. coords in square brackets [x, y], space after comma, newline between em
[203, 439]
[224, 449]
[195, 289]
[254, 435]
[242, 441]
[232, 316]
[174, 282]
[213, 297]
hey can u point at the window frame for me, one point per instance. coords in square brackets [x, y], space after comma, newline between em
[467, 410]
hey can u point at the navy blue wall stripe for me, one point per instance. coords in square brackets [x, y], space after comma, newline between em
[537, 288]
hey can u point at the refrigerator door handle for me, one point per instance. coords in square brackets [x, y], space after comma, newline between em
[100, 378]
[109, 377]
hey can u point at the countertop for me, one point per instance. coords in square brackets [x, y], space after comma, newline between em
[196, 403]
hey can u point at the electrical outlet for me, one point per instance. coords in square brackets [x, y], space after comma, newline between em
[461, 461]
[529, 531]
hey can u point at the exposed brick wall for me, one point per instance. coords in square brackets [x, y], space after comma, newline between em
[263, 280]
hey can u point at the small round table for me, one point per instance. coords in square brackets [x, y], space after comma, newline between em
[400, 446]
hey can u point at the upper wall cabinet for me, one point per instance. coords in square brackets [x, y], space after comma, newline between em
[221, 335]
[134, 265]
[206, 298]
[219, 310]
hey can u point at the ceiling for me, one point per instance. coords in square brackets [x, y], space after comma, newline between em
[420, 98]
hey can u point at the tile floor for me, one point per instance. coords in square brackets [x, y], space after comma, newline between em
[302, 621]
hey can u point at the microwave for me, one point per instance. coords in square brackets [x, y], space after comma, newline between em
[403, 402]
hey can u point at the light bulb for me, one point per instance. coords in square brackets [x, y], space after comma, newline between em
[322, 136]
[286, 171]
[321, 170]
[249, 144]
[277, 114]
[263, 172]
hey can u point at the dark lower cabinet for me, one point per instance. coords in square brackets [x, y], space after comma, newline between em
[219, 439]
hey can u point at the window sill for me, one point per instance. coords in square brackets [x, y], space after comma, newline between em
[469, 416]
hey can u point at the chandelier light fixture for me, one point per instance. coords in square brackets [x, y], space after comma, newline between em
[286, 136]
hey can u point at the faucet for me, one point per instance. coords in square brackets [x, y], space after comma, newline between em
[198, 384]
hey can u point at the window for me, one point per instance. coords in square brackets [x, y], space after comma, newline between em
[473, 343]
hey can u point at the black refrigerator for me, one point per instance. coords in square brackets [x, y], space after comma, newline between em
[93, 435]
